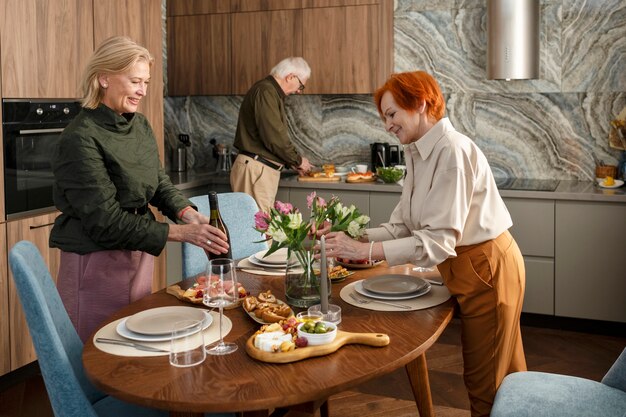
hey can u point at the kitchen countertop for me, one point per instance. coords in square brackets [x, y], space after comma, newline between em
[565, 190]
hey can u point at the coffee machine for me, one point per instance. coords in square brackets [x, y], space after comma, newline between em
[384, 154]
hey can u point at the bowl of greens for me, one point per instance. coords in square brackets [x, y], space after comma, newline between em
[390, 174]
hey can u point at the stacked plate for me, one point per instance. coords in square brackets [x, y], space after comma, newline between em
[276, 260]
[155, 325]
[393, 287]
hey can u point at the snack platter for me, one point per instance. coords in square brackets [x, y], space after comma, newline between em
[343, 338]
[265, 308]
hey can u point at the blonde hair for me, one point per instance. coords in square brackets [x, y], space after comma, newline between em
[292, 65]
[114, 56]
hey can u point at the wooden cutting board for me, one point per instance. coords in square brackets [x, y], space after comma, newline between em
[343, 338]
[318, 179]
[361, 180]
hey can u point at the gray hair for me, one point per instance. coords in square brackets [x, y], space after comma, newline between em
[114, 56]
[292, 65]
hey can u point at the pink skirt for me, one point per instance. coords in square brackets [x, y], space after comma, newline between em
[95, 285]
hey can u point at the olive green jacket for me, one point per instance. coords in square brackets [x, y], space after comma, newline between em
[103, 164]
[262, 125]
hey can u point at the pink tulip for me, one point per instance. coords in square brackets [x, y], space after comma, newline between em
[283, 208]
[261, 221]
[310, 198]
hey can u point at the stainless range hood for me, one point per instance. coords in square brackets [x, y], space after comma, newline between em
[513, 39]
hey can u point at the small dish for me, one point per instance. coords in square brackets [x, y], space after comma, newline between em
[316, 339]
[361, 265]
[618, 183]
[309, 315]
[260, 320]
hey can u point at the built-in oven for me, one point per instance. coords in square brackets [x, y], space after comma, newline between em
[30, 132]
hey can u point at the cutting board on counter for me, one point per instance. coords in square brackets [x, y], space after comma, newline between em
[362, 180]
[318, 179]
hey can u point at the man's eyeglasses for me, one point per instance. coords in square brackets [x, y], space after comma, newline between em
[301, 88]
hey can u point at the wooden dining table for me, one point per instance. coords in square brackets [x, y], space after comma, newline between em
[239, 383]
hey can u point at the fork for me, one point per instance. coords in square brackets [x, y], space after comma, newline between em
[363, 301]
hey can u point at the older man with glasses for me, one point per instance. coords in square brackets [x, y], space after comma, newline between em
[262, 136]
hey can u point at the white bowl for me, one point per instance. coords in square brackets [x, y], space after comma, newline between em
[316, 339]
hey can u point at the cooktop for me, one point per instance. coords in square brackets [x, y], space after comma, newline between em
[527, 184]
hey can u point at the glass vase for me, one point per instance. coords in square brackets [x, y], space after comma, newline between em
[302, 285]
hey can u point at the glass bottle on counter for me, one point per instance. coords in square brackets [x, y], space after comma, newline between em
[216, 221]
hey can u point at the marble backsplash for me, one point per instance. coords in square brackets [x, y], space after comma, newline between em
[552, 127]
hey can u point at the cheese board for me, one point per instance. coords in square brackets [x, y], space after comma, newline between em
[343, 338]
[318, 179]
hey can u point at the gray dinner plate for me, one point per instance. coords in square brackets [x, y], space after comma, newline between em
[394, 284]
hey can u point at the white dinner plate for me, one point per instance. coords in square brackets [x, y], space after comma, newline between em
[123, 331]
[394, 284]
[358, 287]
[277, 258]
[160, 320]
[618, 183]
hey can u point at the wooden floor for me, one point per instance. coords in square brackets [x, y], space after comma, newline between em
[560, 351]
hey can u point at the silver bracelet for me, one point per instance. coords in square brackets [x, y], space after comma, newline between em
[370, 255]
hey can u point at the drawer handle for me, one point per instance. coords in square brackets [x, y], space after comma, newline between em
[41, 225]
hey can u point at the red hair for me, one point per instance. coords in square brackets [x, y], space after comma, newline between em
[410, 89]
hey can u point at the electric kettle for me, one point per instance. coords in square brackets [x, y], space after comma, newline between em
[380, 154]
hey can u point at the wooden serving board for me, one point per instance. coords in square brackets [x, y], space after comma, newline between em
[360, 180]
[318, 179]
[178, 292]
[343, 338]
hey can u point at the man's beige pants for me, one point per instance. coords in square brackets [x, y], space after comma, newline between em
[488, 281]
[255, 178]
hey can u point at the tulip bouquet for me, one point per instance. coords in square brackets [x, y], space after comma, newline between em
[285, 227]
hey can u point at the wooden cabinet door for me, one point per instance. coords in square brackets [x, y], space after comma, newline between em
[342, 45]
[45, 46]
[5, 346]
[191, 7]
[260, 41]
[256, 5]
[199, 55]
[36, 230]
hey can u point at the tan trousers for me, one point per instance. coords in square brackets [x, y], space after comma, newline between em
[252, 177]
[488, 281]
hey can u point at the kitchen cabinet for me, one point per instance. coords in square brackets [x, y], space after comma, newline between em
[199, 55]
[590, 277]
[5, 345]
[343, 52]
[211, 52]
[533, 230]
[44, 47]
[381, 206]
[278, 35]
[36, 230]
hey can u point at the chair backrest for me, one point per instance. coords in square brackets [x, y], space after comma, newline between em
[57, 344]
[237, 210]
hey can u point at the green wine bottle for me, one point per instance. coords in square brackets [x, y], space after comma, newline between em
[216, 221]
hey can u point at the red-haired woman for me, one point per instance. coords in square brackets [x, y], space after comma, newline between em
[451, 215]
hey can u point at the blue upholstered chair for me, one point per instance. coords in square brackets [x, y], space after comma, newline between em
[58, 346]
[238, 210]
[539, 394]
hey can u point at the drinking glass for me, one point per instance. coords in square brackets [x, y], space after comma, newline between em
[187, 344]
[223, 294]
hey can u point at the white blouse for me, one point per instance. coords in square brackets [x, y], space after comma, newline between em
[449, 199]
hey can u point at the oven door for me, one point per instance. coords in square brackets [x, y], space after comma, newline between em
[28, 178]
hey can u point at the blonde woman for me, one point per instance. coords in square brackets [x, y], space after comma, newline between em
[107, 170]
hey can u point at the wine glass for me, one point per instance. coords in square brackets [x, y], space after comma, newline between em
[223, 294]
